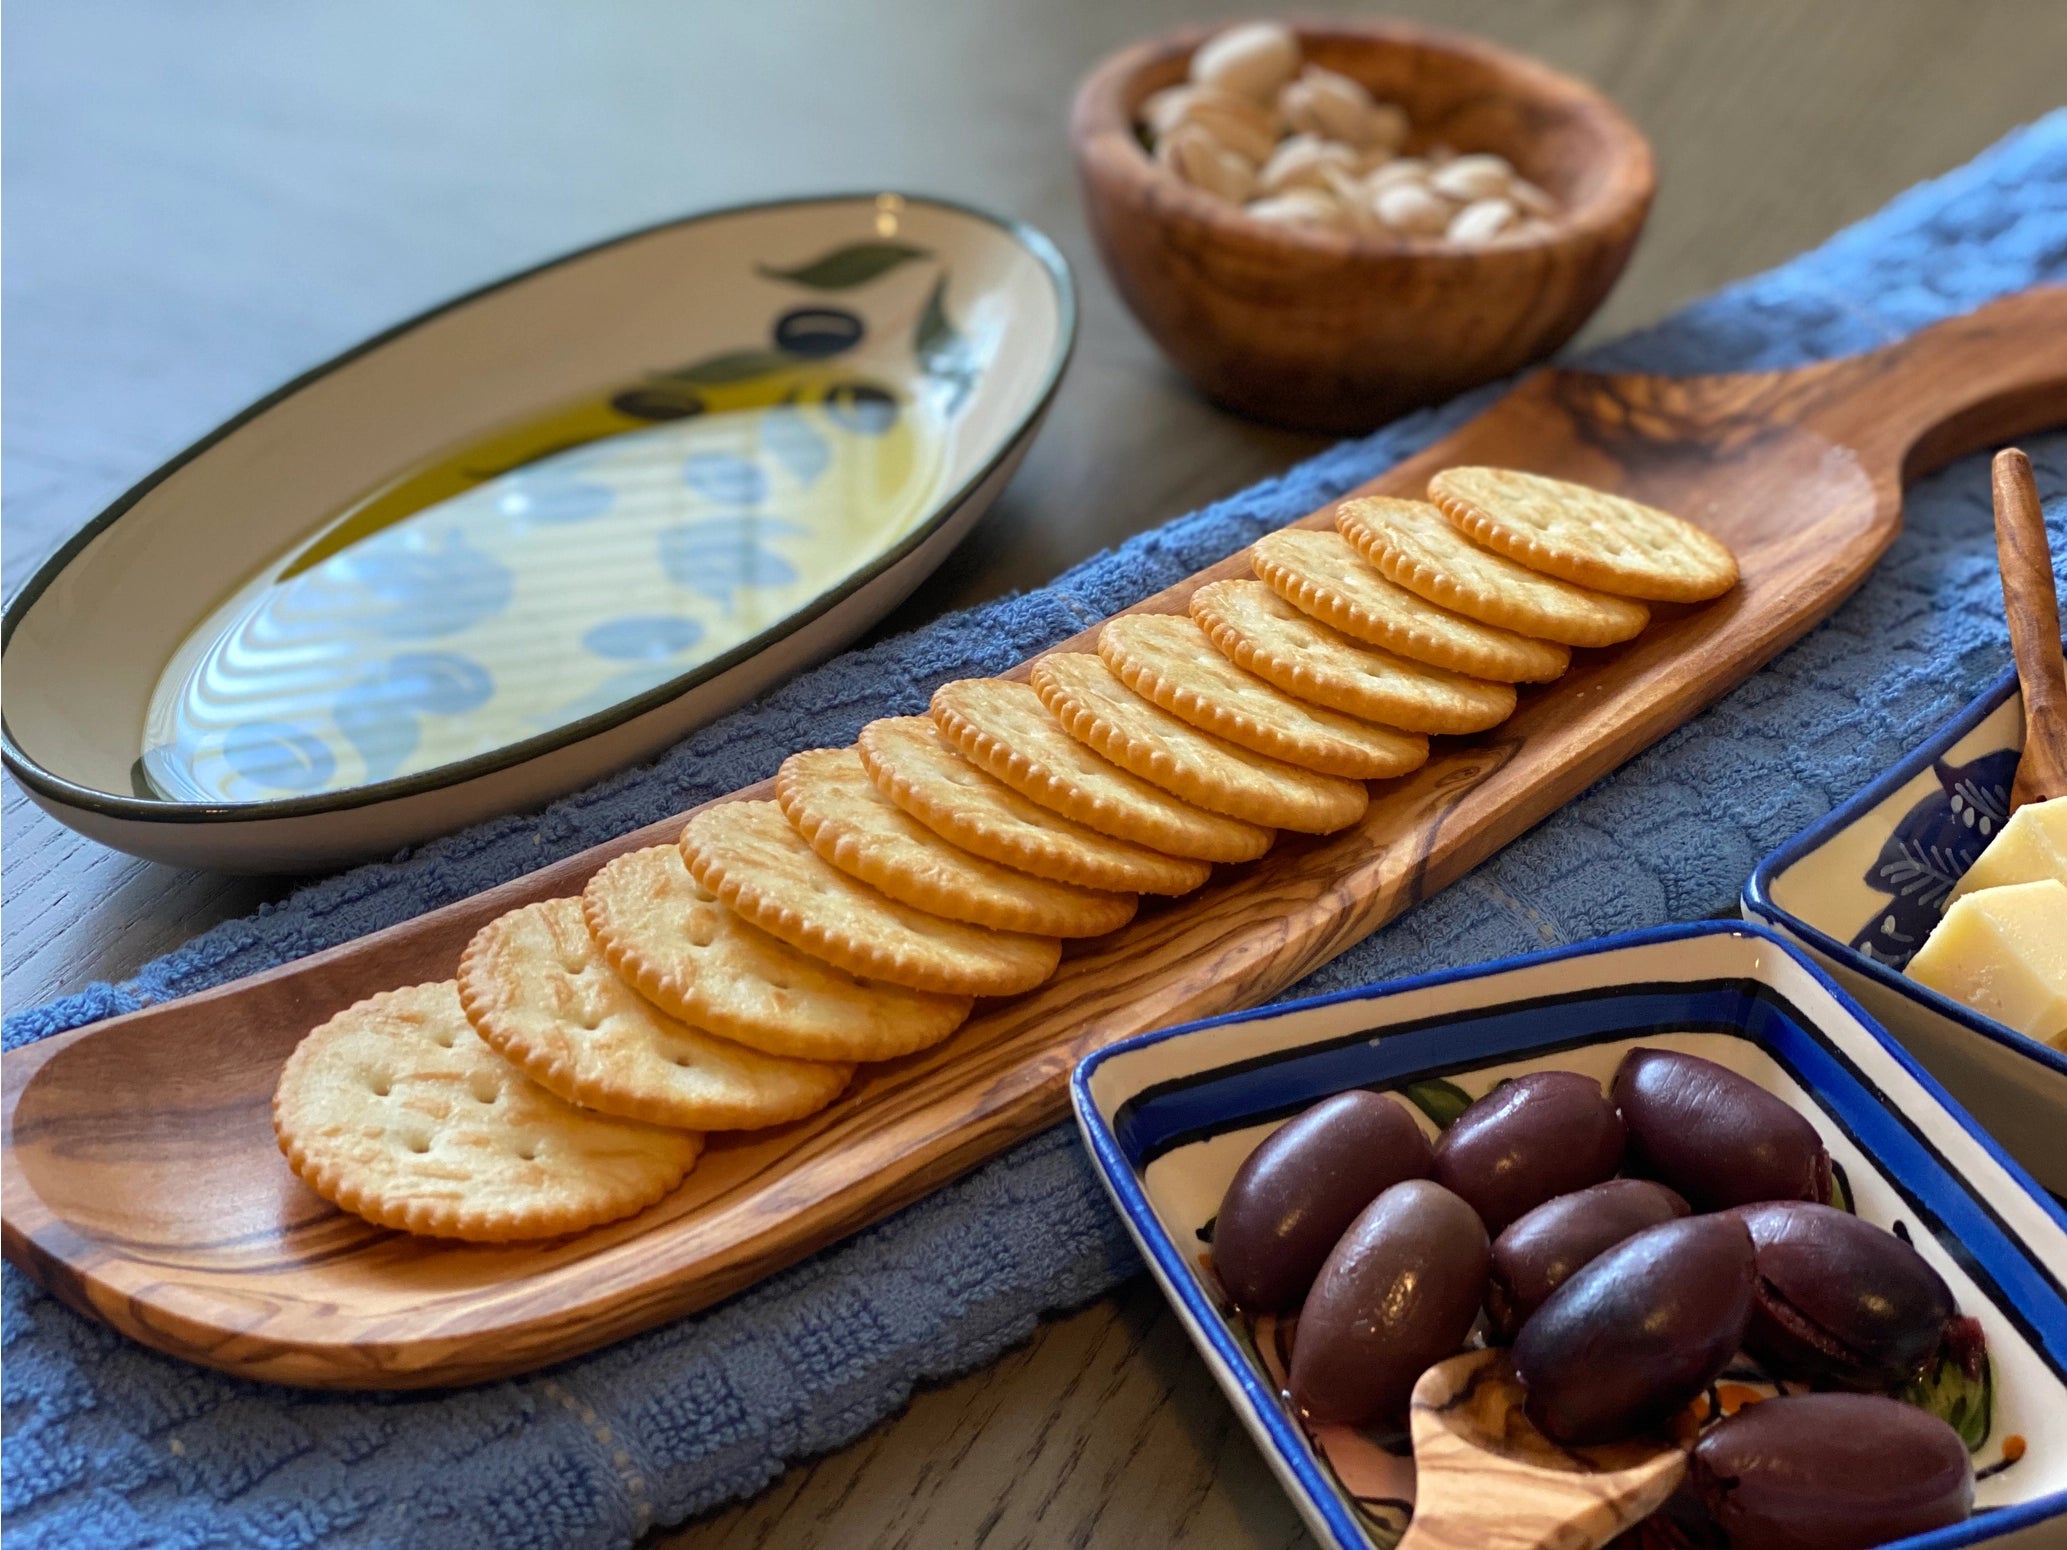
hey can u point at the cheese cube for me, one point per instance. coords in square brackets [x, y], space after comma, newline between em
[2003, 952]
[2032, 846]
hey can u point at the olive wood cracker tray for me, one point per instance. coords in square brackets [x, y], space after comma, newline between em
[142, 1183]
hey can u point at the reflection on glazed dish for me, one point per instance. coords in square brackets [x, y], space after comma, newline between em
[509, 587]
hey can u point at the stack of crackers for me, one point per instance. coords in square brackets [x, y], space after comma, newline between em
[568, 1075]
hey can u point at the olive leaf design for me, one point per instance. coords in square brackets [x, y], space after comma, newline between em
[416, 592]
[844, 268]
[278, 756]
[1841, 1193]
[379, 713]
[732, 366]
[722, 556]
[1923, 859]
[943, 350]
[936, 338]
[788, 435]
[273, 755]
[1964, 1400]
[1441, 1101]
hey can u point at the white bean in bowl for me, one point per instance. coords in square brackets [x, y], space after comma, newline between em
[1481, 220]
[1302, 146]
[1253, 60]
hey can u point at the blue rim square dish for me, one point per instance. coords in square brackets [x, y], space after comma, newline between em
[1859, 889]
[1168, 1116]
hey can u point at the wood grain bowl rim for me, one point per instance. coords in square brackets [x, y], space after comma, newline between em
[1108, 151]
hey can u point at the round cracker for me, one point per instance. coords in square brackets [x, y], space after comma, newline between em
[681, 949]
[396, 1111]
[827, 795]
[913, 765]
[537, 989]
[1166, 659]
[748, 855]
[1414, 544]
[1097, 709]
[1260, 631]
[1002, 727]
[1320, 574]
[1586, 536]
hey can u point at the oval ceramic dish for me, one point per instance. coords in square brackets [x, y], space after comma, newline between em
[535, 534]
[1861, 888]
[1169, 1117]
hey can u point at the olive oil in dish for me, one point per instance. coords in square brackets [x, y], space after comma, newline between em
[545, 572]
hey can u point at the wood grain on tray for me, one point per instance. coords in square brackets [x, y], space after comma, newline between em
[141, 1178]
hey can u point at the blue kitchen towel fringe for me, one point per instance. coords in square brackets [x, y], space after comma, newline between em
[108, 1444]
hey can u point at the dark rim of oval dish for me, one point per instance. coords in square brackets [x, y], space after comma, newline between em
[140, 809]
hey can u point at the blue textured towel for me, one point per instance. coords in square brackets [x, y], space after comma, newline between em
[110, 1444]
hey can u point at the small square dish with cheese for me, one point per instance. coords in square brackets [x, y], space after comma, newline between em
[2003, 951]
[1919, 895]
[2002, 945]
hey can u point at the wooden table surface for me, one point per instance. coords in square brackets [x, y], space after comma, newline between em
[203, 199]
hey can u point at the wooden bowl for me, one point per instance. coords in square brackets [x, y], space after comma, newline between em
[1325, 331]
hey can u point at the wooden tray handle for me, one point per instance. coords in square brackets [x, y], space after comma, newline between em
[1955, 387]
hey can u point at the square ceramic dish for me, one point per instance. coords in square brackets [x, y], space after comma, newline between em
[1860, 889]
[1169, 1116]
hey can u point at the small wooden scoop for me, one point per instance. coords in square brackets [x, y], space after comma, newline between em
[1486, 1479]
[2033, 607]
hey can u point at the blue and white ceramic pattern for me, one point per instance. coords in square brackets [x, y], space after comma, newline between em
[1170, 1116]
[1861, 888]
[535, 534]
[1930, 850]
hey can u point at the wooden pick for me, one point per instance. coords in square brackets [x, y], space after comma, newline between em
[1486, 1479]
[2032, 604]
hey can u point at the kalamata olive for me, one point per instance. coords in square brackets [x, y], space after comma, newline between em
[1717, 1138]
[1529, 1139]
[1840, 1301]
[1398, 1293]
[1302, 1187]
[1538, 1252]
[1832, 1472]
[1638, 1331]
